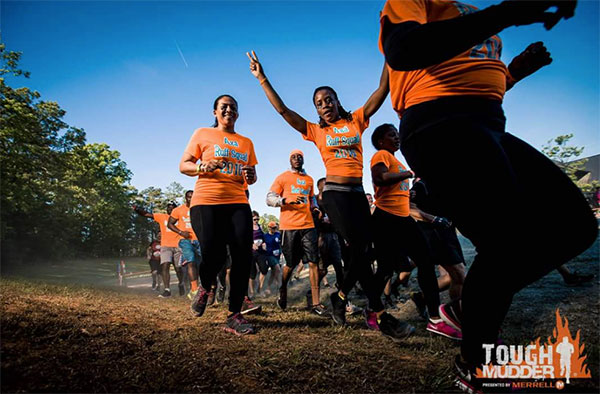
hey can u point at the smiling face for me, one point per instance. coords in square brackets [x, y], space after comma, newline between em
[327, 104]
[390, 141]
[226, 112]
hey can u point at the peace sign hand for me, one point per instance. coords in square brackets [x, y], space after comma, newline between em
[255, 66]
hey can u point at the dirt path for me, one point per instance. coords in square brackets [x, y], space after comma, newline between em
[101, 338]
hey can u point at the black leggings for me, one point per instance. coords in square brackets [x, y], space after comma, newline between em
[350, 216]
[522, 213]
[218, 226]
[397, 235]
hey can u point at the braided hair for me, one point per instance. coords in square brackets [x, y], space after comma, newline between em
[217, 102]
[343, 113]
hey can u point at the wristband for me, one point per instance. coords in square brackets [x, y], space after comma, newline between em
[261, 81]
[198, 168]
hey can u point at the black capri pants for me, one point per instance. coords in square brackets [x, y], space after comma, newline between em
[218, 226]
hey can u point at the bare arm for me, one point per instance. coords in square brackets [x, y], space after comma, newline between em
[189, 166]
[378, 97]
[293, 119]
[417, 214]
[142, 212]
[534, 57]
[383, 177]
[171, 226]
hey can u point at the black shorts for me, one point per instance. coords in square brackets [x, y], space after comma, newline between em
[154, 265]
[443, 244]
[330, 252]
[299, 245]
[259, 263]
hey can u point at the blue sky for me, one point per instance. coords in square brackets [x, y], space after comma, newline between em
[141, 76]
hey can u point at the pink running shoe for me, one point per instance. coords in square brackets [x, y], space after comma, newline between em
[371, 319]
[441, 328]
[450, 316]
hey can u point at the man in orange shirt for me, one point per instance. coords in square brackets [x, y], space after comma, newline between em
[189, 245]
[169, 247]
[293, 192]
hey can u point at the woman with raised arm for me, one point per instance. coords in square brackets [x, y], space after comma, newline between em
[223, 161]
[338, 136]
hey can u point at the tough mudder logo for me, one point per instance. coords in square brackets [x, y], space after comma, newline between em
[561, 357]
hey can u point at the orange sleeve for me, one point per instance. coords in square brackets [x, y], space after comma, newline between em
[277, 187]
[380, 157]
[311, 131]
[193, 147]
[252, 161]
[359, 117]
[398, 11]
[312, 187]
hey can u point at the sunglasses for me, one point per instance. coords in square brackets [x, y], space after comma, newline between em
[256, 220]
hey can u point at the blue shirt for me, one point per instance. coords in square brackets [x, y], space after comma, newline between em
[273, 242]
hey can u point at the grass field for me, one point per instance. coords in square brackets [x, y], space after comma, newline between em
[71, 329]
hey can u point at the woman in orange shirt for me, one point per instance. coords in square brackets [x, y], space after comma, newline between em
[338, 136]
[223, 161]
[396, 232]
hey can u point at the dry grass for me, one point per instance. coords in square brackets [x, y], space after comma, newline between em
[84, 338]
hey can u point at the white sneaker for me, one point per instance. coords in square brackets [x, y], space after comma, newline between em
[352, 309]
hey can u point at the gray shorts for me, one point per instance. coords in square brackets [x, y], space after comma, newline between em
[170, 254]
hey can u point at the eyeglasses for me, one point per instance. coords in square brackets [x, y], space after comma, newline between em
[273, 228]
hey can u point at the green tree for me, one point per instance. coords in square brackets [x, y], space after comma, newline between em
[565, 156]
[60, 197]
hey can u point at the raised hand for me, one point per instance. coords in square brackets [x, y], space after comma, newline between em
[534, 57]
[249, 174]
[255, 66]
[526, 12]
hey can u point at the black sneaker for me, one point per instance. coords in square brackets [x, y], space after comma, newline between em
[250, 308]
[220, 294]
[282, 300]
[165, 294]
[319, 310]
[393, 328]
[181, 289]
[199, 302]
[465, 377]
[338, 309]
[236, 324]
[419, 299]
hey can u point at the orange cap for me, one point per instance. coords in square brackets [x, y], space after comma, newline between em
[296, 152]
[272, 224]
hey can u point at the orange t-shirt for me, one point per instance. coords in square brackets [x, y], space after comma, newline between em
[184, 222]
[168, 238]
[394, 198]
[222, 186]
[340, 144]
[290, 185]
[476, 72]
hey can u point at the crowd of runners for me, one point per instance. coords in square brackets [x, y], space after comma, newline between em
[443, 72]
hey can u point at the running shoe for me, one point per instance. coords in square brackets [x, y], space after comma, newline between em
[181, 289]
[192, 294]
[338, 309]
[352, 309]
[236, 324]
[220, 294]
[441, 328]
[319, 310]
[153, 284]
[419, 299]
[199, 302]
[282, 300]
[165, 294]
[393, 328]
[450, 314]
[465, 377]
[249, 308]
[371, 320]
